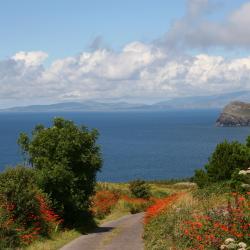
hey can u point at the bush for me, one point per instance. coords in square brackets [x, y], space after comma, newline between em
[24, 213]
[102, 203]
[226, 158]
[9, 237]
[66, 159]
[139, 189]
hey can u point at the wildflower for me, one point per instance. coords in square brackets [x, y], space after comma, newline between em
[242, 172]
[229, 240]
[223, 247]
[244, 185]
[242, 245]
[160, 205]
[231, 246]
[199, 238]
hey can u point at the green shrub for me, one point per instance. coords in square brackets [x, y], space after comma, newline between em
[66, 159]
[21, 218]
[226, 158]
[139, 189]
[9, 238]
[201, 178]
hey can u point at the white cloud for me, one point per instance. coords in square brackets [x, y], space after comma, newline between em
[32, 58]
[196, 30]
[139, 71]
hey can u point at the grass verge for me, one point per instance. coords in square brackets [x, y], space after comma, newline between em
[56, 241]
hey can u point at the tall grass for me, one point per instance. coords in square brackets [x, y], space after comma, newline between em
[200, 221]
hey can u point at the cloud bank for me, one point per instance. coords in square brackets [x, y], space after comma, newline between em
[196, 30]
[139, 72]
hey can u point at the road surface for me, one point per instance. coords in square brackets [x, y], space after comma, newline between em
[122, 234]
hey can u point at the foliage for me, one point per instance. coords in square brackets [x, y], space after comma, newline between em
[139, 189]
[66, 159]
[102, 203]
[226, 158]
[241, 180]
[201, 178]
[197, 223]
[213, 189]
[24, 211]
[208, 231]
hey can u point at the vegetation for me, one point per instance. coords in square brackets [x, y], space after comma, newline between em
[102, 203]
[57, 191]
[139, 189]
[66, 159]
[24, 212]
[55, 241]
[54, 187]
[225, 160]
[216, 215]
[198, 223]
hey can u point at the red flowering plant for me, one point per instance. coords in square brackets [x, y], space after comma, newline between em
[102, 202]
[161, 205]
[208, 231]
[25, 213]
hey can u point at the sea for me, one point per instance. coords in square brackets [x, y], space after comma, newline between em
[146, 145]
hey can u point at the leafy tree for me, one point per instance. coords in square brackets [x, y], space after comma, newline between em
[66, 159]
[139, 189]
[226, 158]
[248, 141]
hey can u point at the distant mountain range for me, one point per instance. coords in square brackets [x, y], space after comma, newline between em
[195, 102]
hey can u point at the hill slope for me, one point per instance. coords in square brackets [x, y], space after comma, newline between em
[235, 114]
[192, 102]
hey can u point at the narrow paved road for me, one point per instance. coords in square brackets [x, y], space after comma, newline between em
[122, 234]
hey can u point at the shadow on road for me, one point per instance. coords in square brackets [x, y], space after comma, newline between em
[103, 229]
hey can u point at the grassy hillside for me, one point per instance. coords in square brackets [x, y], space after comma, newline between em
[200, 219]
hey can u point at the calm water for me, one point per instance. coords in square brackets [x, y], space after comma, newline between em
[147, 145]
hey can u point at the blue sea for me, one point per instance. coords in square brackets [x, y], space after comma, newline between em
[148, 145]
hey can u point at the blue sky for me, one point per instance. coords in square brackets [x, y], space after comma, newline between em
[67, 27]
[133, 50]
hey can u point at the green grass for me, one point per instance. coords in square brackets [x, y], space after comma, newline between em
[56, 241]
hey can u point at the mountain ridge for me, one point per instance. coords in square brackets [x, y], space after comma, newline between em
[193, 102]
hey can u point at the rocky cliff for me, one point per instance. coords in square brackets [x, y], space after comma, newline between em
[235, 114]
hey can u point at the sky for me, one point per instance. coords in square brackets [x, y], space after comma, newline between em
[134, 50]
